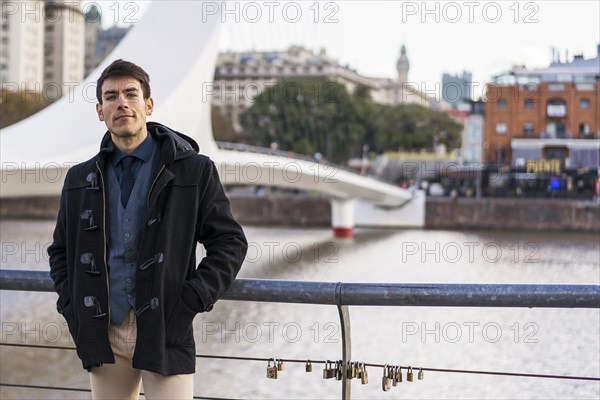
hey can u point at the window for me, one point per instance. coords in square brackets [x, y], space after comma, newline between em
[501, 128]
[584, 104]
[585, 86]
[529, 104]
[584, 129]
[528, 129]
[529, 86]
[502, 104]
[556, 108]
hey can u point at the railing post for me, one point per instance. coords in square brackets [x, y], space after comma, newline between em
[346, 349]
[346, 340]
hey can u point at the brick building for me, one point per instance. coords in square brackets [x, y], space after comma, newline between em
[550, 113]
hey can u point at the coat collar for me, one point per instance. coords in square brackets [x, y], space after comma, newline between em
[174, 145]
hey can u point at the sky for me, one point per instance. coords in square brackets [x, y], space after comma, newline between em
[483, 37]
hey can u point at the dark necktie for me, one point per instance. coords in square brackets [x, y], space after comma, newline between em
[127, 178]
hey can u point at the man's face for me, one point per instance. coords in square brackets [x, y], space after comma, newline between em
[123, 107]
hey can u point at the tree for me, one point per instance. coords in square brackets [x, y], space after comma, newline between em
[221, 126]
[306, 115]
[413, 127]
[15, 106]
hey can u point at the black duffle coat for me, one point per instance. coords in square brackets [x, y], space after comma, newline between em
[186, 205]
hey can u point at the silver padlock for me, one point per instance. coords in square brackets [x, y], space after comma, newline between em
[386, 382]
[399, 374]
[328, 371]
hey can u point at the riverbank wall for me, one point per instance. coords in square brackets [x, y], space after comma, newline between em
[441, 213]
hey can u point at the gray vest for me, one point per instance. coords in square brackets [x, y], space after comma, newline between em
[125, 226]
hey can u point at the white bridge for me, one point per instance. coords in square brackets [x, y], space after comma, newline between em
[179, 53]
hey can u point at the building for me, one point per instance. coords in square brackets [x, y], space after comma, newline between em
[473, 132]
[399, 90]
[107, 40]
[63, 47]
[547, 113]
[99, 42]
[93, 27]
[241, 76]
[457, 89]
[22, 46]
[42, 47]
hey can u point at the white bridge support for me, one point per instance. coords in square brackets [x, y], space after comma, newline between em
[409, 215]
[36, 152]
[342, 217]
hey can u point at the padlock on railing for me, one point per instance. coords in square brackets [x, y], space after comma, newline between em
[399, 374]
[350, 371]
[339, 370]
[364, 377]
[272, 370]
[328, 371]
[386, 382]
[395, 375]
[308, 367]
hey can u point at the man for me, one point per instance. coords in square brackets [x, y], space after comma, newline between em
[123, 255]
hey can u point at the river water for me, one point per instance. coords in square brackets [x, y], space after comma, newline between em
[542, 341]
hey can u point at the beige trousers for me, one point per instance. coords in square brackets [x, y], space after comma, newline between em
[122, 381]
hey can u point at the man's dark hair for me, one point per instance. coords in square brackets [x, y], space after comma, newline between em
[121, 68]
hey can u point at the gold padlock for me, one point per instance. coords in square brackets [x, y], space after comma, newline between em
[364, 377]
[420, 375]
[386, 382]
[399, 374]
[409, 374]
[272, 370]
[280, 366]
[308, 366]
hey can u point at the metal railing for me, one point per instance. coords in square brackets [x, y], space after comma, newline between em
[343, 295]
